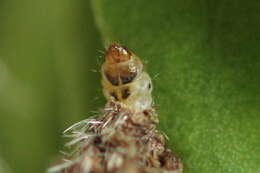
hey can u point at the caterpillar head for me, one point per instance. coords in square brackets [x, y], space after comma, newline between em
[121, 66]
[124, 79]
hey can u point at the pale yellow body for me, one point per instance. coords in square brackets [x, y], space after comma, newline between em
[138, 91]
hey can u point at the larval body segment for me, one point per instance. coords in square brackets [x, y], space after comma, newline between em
[125, 80]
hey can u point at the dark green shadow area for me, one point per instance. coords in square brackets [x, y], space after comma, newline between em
[78, 52]
[47, 52]
[205, 55]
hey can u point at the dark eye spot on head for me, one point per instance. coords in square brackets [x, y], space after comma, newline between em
[149, 86]
[113, 94]
[125, 93]
[112, 79]
[128, 78]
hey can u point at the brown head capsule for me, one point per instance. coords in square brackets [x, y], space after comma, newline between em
[121, 66]
[124, 79]
[117, 53]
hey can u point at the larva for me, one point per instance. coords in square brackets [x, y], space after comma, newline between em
[123, 139]
[124, 79]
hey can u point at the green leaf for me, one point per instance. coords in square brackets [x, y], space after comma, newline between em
[206, 55]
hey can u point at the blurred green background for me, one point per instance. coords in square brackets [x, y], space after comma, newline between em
[49, 64]
[203, 57]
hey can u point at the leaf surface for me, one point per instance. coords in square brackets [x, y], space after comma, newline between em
[204, 57]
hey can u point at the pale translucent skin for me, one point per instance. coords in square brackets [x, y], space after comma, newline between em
[140, 98]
